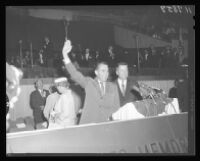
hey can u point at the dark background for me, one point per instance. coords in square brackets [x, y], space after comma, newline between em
[95, 35]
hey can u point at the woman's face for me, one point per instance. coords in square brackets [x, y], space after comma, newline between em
[61, 89]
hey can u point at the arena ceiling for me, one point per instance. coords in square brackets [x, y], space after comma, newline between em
[142, 15]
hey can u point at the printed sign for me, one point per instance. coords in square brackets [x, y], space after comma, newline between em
[158, 134]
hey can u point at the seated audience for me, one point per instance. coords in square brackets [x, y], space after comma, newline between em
[153, 57]
[111, 56]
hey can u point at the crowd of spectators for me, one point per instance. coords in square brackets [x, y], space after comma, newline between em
[167, 57]
[152, 57]
[166, 31]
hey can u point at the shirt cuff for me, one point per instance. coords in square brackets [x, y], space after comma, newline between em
[66, 60]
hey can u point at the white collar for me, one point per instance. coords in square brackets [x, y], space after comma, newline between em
[40, 90]
[120, 82]
[100, 81]
[104, 83]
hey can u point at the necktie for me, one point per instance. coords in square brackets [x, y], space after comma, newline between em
[123, 88]
[41, 93]
[41, 59]
[102, 88]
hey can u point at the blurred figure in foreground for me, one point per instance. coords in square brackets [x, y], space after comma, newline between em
[13, 77]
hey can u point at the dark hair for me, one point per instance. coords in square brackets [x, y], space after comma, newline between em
[99, 63]
[122, 63]
[53, 88]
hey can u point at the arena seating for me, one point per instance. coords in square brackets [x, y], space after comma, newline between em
[43, 72]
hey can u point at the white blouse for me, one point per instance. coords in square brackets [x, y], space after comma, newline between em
[64, 110]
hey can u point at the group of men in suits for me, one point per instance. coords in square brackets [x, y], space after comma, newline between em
[56, 108]
[102, 97]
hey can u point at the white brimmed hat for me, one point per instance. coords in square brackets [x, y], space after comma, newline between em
[59, 80]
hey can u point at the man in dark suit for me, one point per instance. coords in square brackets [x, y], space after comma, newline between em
[48, 52]
[101, 96]
[127, 88]
[111, 56]
[173, 90]
[37, 103]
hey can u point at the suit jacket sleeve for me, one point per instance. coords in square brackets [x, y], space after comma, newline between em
[117, 100]
[76, 75]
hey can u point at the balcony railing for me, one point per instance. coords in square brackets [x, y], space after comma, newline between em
[44, 72]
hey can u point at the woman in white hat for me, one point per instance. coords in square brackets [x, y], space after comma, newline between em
[63, 113]
[51, 101]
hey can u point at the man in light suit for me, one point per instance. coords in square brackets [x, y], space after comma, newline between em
[101, 98]
[128, 88]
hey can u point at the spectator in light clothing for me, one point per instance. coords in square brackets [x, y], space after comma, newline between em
[64, 112]
[51, 101]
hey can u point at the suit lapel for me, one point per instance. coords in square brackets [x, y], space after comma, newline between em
[120, 92]
[107, 88]
[127, 87]
[96, 85]
[40, 94]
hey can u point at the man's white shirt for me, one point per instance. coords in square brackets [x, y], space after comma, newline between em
[120, 84]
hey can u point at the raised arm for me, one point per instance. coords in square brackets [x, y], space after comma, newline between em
[74, 73]
[48, 107]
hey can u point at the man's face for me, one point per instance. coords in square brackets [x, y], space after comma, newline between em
[122, 72]
[46, 39]
[102, 72]
[39, 84]
[176, 83]
[87, 50]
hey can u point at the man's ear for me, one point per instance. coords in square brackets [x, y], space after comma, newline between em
[95, 72]
[117, 72]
